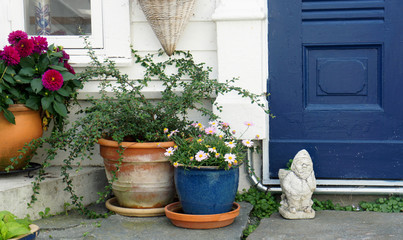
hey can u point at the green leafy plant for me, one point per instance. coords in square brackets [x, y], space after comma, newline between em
[289, 164]
[249, 230]
[329, 205]
[213, 145]
[387, 205]
[391, 204]
[45, 213]
[264, 204]
[11, 226]
[37, 75]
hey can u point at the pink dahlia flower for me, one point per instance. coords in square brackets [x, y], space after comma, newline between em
[40, 44]
[52, 80]
[10, 56]
[25, 47]
[16, 36]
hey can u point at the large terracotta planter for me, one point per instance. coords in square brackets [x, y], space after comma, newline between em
[13, 137]
[145, 178]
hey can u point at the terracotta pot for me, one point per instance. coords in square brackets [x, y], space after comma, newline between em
[145, 178]
[13, 137]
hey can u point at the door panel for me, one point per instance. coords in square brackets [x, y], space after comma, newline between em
[336, 86]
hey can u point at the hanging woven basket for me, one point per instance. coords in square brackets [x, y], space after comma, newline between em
[167, 18]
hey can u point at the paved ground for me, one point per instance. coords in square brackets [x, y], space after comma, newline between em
[326, 225]
[74, 226]
[332, 225]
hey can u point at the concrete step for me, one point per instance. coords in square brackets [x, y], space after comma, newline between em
[16, 190]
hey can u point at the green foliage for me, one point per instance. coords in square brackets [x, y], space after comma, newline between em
[391, 204]
[387, 205]
[329, 205]
[45, 214]
[264, 204]
[248, 230]
[11, 227]
[289, 164]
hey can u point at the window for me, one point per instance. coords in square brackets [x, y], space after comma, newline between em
[105, 22]
[58, 17]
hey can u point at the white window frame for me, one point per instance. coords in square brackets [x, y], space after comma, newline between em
[110, 23]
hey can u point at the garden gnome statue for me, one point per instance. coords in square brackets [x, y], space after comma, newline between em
[298, 186]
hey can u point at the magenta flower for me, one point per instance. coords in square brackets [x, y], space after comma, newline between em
[10, 56]
[40, 44]
[52, 80]
[65, 55]
[69, 68]
[25, 47]
[16, 36]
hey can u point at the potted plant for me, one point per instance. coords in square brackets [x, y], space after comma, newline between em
[207, 167]
[36, 86]
[123, 119]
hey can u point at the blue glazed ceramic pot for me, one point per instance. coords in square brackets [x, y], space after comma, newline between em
[207, 190]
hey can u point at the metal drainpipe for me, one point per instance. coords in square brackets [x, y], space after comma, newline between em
[322, 190]
[251, 174]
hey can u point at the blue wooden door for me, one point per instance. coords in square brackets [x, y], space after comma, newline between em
[336, 84]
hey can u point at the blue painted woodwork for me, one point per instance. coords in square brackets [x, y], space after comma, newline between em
[336, 84]
[206, 190]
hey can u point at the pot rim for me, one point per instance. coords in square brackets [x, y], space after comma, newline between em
[19, 108]
[110, 143]
[206, 167]
[171, 208]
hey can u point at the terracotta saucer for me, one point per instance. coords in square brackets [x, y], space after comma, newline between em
[174, 212]
[113, 205]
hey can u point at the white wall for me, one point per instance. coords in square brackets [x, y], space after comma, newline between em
[229, 36]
